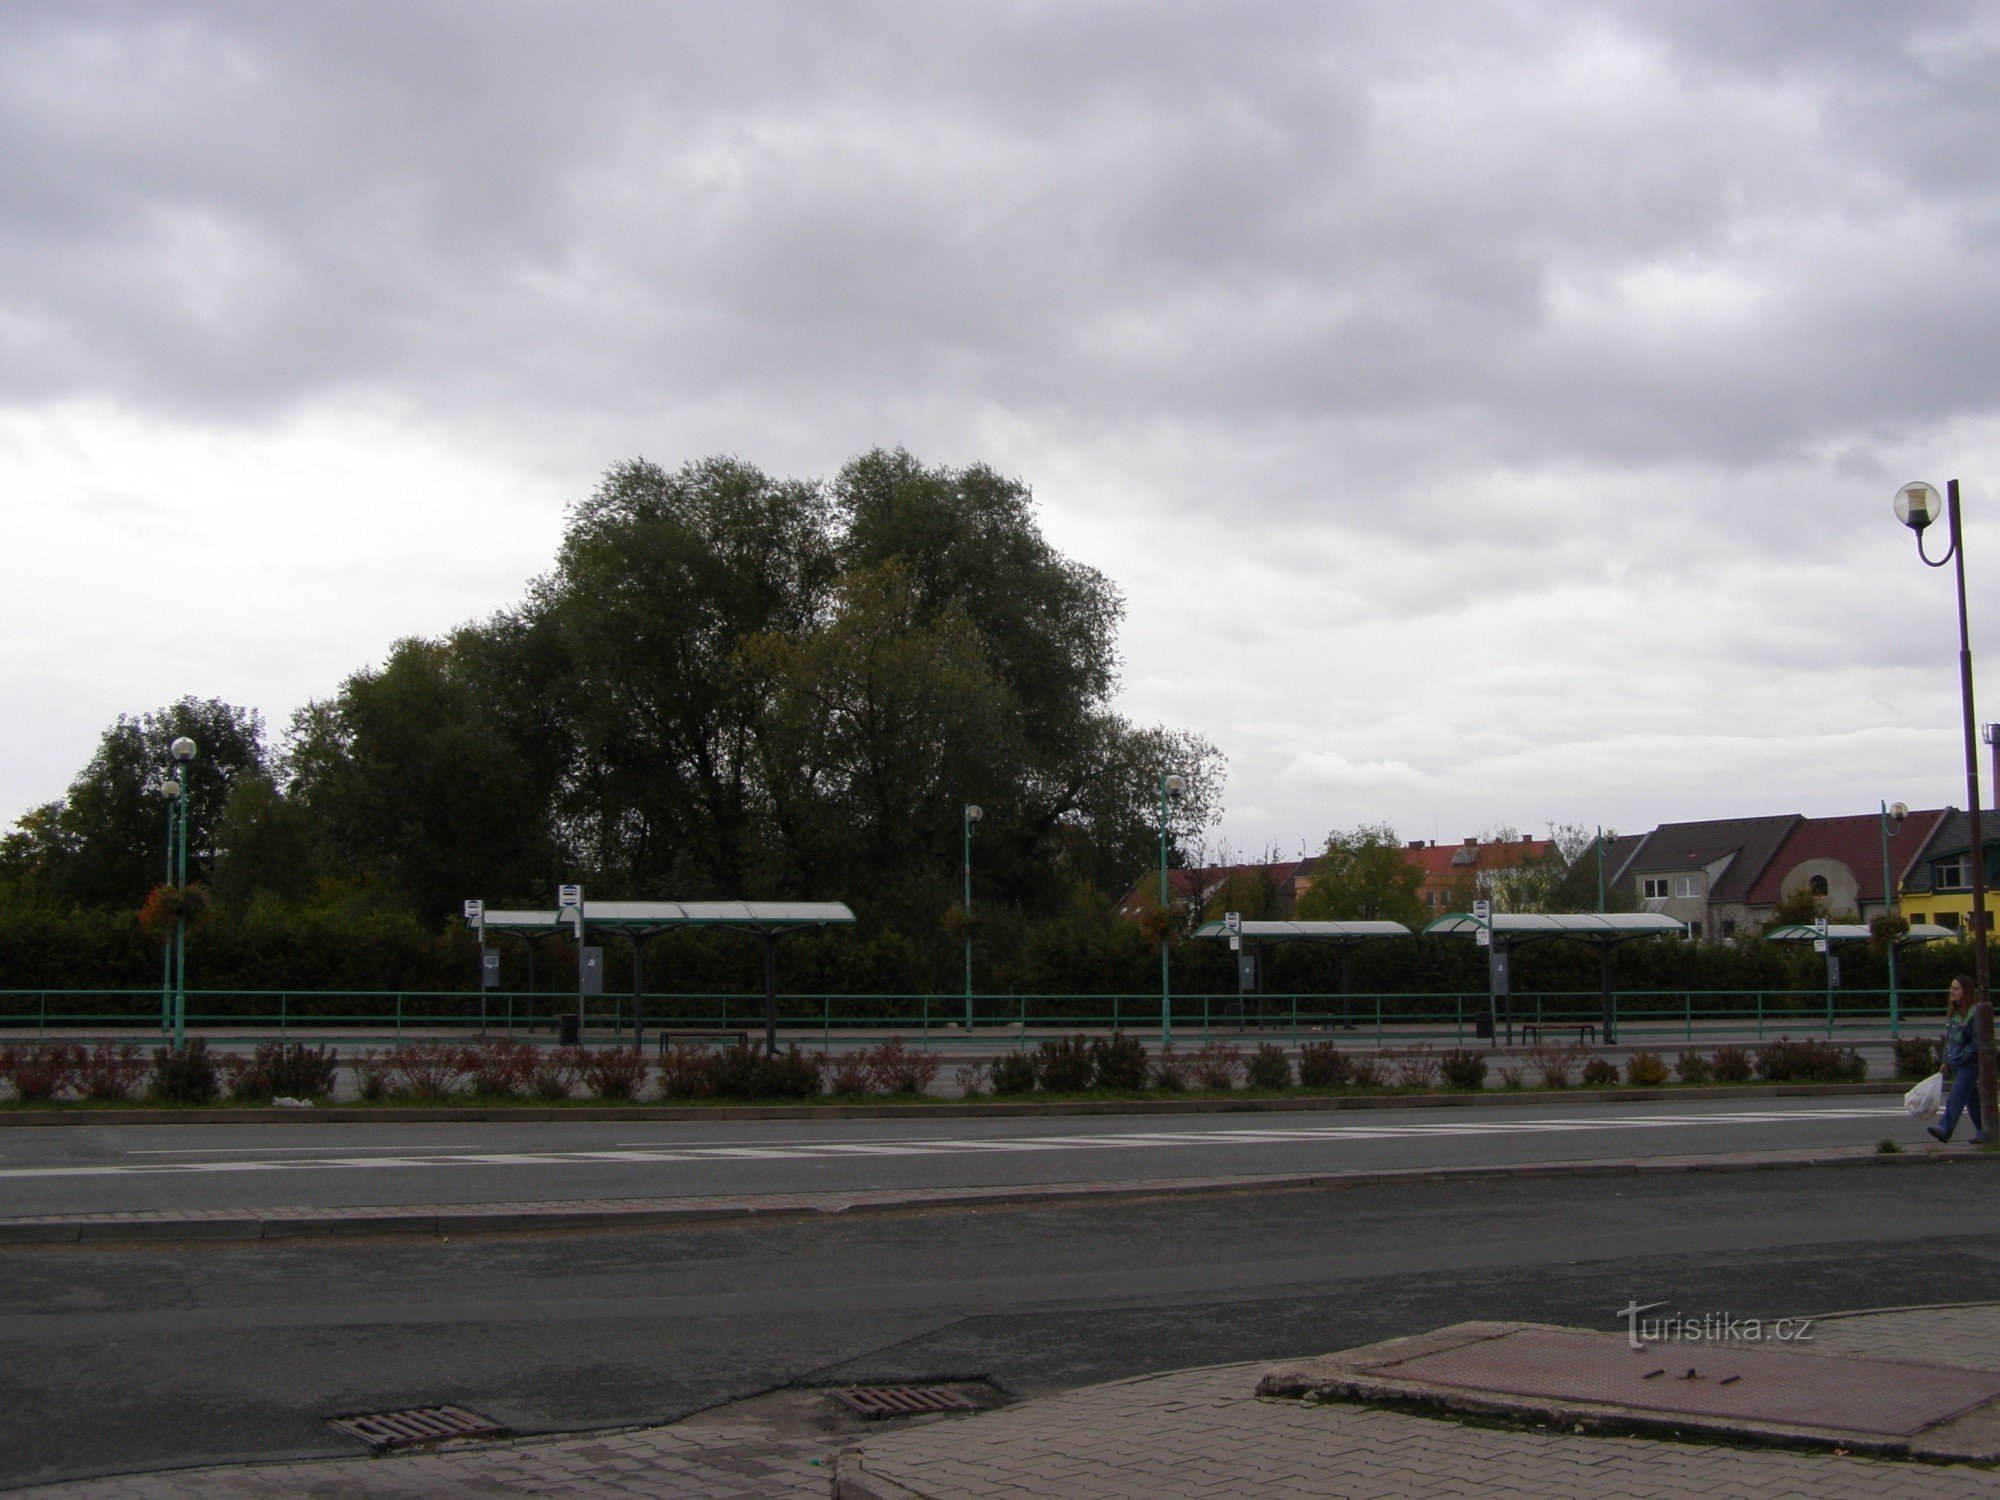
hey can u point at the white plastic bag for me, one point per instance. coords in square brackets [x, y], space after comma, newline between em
[1927, 1098]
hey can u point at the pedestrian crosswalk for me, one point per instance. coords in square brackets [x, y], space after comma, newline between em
[1225, 1137]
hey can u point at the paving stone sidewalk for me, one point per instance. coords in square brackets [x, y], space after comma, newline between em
[1198, 1432]
[1204, 1433]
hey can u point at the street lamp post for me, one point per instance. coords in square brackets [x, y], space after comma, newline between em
[170, 788]
[1891, 825]
[972, 815]
[182, 750]
[1171, 787]
[1917, 507]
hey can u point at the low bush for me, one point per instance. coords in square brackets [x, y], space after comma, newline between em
[1692, 1067]
[1013, 1073]
[110, 1070]
[371, 1075]
[183, 1075]
[1417, 1068]
[1809, 1061]
[895, 1068]
[503, 1068]
[1510, 1078]
[428, 1070]
[971, 1079]
[554, 1075]
[736, 1072]
[1599, 1073]
[1917, 1056]
[1464, 1068]
[277, 1070]
[848, 1074]
[1214, 1065]
[1367, 1072]
[1555, 1066]
[1322, 1065]
[1119, 1062]
[40, 1070]
[1268, 1068]
[1646, 1070]
[1731, 1065]
[613, 1072]
[1064, 1065]
[1170, 1070]
[793, 1074]
[686, 1072]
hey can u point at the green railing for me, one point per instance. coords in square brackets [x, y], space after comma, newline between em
[1641, 1017]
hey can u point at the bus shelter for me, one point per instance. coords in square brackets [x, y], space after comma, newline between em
[1254, 936]
[1830, 937]
[636, 921]
[1502, 932]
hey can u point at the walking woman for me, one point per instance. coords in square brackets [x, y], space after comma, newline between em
[1961, 1056]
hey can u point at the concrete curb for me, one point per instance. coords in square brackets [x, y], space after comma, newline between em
[632, 1213]
[398, 1114]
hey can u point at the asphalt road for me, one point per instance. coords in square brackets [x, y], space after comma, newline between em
[78, 1169]
[122, 1358]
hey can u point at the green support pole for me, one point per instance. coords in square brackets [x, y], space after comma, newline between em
[971, 814]
[1889, 913]
[1600, 869]
[180, 927]
[1167, 911]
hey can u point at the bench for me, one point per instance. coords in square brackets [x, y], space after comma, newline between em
[1531, 1031]
[674, 1038]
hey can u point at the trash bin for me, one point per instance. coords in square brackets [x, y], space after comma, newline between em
[567, 1031]
[1482, 1026]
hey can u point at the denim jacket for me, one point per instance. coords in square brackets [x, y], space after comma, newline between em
[1961, 1043]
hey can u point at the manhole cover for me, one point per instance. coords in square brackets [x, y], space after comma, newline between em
[422, 1424]
[878, 1401]
[1710, 1380]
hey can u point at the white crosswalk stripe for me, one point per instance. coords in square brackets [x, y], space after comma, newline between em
[1153, 1140]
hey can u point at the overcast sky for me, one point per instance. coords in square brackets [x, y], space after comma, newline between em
[1491, 413]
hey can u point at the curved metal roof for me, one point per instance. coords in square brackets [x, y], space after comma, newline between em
[1854, 932]
[1587, 926]
[657, 916]
[1309, 932]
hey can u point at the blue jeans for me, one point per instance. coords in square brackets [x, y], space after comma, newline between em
[1964, 1099]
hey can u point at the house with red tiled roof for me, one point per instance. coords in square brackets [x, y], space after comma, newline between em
[1456, 875]
[1839, 862]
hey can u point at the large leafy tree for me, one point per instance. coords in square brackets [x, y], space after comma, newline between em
[105, 842]
[412, 786]
[1362, 876]
[661, 581]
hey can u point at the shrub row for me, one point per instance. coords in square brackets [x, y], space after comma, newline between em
[436, 1071]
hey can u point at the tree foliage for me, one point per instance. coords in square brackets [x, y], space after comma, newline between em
[727, 685]
[1363, 876]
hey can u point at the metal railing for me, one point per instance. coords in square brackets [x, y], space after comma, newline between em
[1642, 1017]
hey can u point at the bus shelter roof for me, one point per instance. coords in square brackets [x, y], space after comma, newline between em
[1855, 932]
[769, 917]
[1308, 932]
[1601, 927]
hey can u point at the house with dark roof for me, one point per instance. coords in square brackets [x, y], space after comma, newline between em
[1839, 862]
[1700, 873]
[1201, 892]
[1938, 885]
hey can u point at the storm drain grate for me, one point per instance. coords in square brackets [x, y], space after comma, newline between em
[876, 1402]
[422, 1424]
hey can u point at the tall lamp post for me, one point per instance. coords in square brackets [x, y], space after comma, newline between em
[182, 750]
[1171, 787]
[1893, 814]
[1917, 507]
[972, 815]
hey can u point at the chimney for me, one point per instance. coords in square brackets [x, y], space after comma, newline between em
[1472, 843]
[1416, 843]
